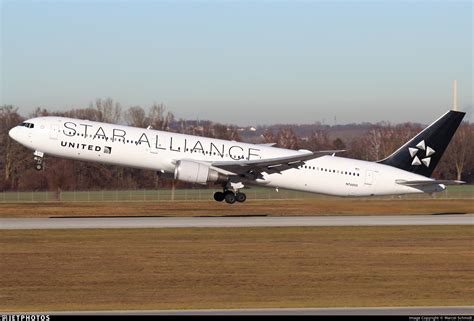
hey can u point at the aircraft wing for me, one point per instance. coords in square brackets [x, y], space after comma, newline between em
[253, 169]
[427, 182]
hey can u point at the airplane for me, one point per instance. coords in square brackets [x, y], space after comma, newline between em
[235, 165]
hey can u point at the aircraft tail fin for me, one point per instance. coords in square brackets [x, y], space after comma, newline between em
[422, 153]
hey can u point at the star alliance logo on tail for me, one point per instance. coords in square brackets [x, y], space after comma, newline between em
[426, 158]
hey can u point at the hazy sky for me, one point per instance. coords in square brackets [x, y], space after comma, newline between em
[243, 62]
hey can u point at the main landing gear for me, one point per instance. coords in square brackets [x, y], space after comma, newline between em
[231, 192]
[39, 160]
[230, 197]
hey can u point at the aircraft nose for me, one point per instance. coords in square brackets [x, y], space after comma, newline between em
[13, 133]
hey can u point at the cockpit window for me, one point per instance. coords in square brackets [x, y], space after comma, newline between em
[28, 125]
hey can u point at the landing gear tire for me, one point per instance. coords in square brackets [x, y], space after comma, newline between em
[240, 197]
[230, 197]
[39, 166]
[219, 196]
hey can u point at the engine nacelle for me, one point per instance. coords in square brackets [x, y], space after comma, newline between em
[193, 172]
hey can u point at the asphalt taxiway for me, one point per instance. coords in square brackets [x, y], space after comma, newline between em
[208, 222]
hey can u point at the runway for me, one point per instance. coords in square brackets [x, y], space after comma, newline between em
[448, 310]
[209, 222]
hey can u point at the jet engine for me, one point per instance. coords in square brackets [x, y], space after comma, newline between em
[193, 172]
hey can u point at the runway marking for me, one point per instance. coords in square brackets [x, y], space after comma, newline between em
[209, 222]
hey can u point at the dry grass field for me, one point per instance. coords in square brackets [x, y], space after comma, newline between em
[307, 206]
[48, 270]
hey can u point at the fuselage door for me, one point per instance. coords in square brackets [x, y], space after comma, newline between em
[53, 134]
[369, 177]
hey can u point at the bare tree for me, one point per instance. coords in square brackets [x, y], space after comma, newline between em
[234, 134]
[220, 131]
[383, 139]
[460, 151]
[338, 144]
[159, 118]
[85, 113]
[109, 111]
[319, 140]
[135, 116]
[357, 149]
[16, 161]
[286, 138]
[269, 137]
[374, 143]
[11, 153]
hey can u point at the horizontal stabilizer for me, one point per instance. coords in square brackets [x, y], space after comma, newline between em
[427, 182]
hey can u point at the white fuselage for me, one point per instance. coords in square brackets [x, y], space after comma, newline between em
[160, 150]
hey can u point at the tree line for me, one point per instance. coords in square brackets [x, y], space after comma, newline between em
[17, 172]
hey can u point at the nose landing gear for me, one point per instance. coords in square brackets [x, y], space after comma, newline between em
[39, 160]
